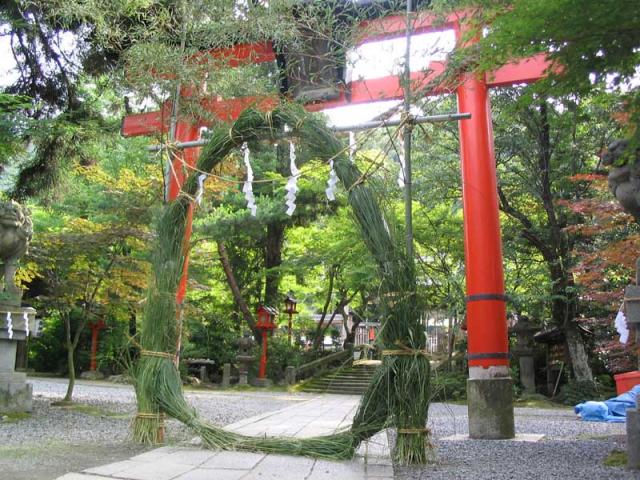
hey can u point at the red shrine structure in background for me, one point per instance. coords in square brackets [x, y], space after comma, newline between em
[488, 351]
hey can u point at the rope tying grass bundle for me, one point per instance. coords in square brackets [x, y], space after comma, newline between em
[149, 353]
[396, 353]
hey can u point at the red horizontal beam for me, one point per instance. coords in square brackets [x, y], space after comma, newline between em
[241, 54]
[394, 26]
[145, 123]
[228, 110]
[357, 92]
[528, 70]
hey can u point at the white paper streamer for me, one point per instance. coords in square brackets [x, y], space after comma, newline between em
[331, 183]
[247, 188]
[201, 178]
[401, 171]
[292, 183]
[352, 147]
[621, 326]
[9, 326]
[25, 317]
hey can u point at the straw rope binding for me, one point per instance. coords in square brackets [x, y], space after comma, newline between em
[395, 353]
[415, 431]
[149, 353]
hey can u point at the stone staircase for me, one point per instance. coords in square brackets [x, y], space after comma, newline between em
[351, 380]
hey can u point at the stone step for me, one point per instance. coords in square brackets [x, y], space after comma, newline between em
[336, 391]
[348, 381]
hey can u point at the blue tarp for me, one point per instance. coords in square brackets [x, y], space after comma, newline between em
[612, 410]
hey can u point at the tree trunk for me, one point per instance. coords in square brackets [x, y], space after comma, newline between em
[551, 241]
[317, 338]
[70, 360]
[235, 289]
[451, 341]
[577, 353]
[351, 334]
[272, 261]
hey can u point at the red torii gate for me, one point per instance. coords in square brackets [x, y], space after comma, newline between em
[489, 385]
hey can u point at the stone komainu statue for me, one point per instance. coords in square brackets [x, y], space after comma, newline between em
[624, 180]
[16, 231]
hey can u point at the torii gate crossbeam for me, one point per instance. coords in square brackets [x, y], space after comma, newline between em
[489, 384]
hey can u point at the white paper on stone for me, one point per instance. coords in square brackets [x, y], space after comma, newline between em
[25, 317]
[247, 188]
[621, 326]
[401, 171]
[331, 183]
[292, 182]
[201, 178]
[9, 326]
[352, 147]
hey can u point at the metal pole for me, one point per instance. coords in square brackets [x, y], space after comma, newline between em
[446, 117]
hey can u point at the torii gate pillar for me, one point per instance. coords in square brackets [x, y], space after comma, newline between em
[489, 387]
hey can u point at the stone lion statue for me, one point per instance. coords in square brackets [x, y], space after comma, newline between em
[624, 180]
[16, 231]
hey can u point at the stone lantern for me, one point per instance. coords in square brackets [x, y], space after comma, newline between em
[524, 350]
[244, 358]
[16, 322]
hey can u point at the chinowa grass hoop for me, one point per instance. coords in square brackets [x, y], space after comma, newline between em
[399, 393]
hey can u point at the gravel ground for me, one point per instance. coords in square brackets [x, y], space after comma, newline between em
[571, 449]
[54, 440]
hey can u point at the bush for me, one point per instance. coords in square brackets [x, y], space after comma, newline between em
[280, 355]
[446, 386]
[577, 392]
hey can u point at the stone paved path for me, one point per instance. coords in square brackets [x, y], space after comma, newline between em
[318, 416]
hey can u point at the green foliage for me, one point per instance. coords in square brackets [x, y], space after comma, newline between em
[575, 392]
[47, 353]
[589, 43]
[447, 386]
[14, 125]
[280, 356]
[617, 458]
[211, 333]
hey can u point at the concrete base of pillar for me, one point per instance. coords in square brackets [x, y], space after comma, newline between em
[633, 438]
[261, 382]
[490, 403]
[16, 394]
